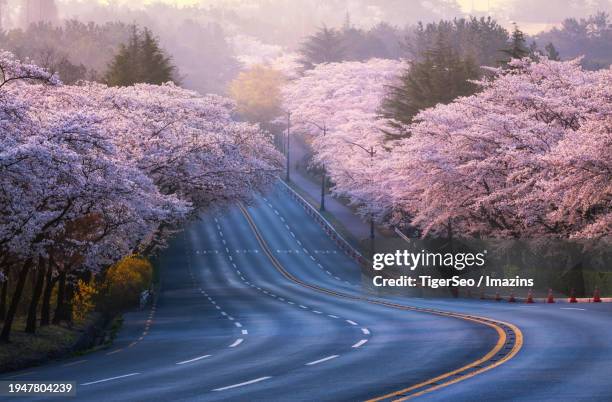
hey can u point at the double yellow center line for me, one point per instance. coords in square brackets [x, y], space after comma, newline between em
[509, 342]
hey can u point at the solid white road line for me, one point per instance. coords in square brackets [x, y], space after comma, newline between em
[361, 342]
[194, 359]
[322, 360]
[573, 308]
[236, 343]
[365, 331]
[351, 322]
[242, 384]
[110, 379]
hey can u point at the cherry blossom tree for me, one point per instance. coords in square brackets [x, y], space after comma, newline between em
[91, 174]
[345, 97]
[528, 156]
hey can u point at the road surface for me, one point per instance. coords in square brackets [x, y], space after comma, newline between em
[258, 304]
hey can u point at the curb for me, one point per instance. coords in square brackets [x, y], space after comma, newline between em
[536, 300]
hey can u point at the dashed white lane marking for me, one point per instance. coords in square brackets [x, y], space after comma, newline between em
[229, 317]
[304, 250]
[573, 308]
[319, 264]
[290, 302]
[365, 331]
[335, 277]
[287, 226]
[223, 313]
[245, 332]
[227, 249]
[276, 212]
[230, 258]
[218, 308]
[110, 379]
[224, 242]
[281, 299]
[316, 312]
[351, 322]
[312, 258]
[236, 343]
[194, 359]
[292, 234]
[239, 325]
[328, 273]
[361, 342]
[299, 243]
[332, 316]
[302, 306]
[322, 360]
[242, 384]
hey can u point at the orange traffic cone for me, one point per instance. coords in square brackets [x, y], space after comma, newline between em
[550, 298]
[497, 297]
[596, 298]
[529, 297]
[572, 298]
[511, 299]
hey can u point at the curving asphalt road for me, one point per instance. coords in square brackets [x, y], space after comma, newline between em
[267, 308]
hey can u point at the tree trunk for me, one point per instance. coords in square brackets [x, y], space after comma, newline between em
[59, 307]
[45, 311]
[36, 292]
[10, 315]
[68, 303]
[4, 295]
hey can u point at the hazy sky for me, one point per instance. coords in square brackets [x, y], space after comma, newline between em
[532, 16]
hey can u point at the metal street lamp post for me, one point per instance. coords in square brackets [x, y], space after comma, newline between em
[371, 152]
[288, 178]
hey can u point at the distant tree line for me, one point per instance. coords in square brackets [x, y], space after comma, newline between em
[75, 50]
[85, 51]
[590, 37]
[445, 57]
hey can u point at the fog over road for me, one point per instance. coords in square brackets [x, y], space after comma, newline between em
[264, 306]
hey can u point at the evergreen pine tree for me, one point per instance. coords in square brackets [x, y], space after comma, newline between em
[440, 77]
[325, 46]
[140, 60]
[518, 46]
[551, 52]
[155, 66]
